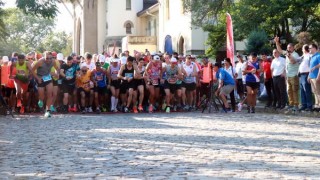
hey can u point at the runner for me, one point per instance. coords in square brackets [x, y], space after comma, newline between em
[114, 82]
[140, 83]
[42, 73]
[84, 88]
[127, 91]
[152, 74]
[98, 77]
[21, 80]
[173, 73]
[189, 84]
[68, 73]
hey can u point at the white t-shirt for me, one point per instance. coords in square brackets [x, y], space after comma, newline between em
[305, 63]
[91, 66]
[239, 69]
[278, 66]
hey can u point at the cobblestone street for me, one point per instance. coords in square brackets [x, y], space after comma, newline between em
[160, 146]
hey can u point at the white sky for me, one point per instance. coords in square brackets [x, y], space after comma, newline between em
[64, 20]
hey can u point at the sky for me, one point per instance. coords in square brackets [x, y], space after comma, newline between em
[64, 20]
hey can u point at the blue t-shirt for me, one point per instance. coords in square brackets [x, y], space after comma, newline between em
[315, 60]
[225, 76]
[100, 77]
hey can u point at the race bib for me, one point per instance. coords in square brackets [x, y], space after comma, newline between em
[21, 72]
[99, 77]
[155, 82]
[172, 80]
[128, 75]
[46, 78]
[59, 81]
[69, 75]
[188, 80]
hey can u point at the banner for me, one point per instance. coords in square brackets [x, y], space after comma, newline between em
[230, 43]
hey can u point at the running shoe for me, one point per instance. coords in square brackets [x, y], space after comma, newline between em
[168, 109]
[89, 110]
[98, 110]
[140, 108]
[135, 110]
[150, 108]
[40, 103]
[22, 110]
[52, 109]
[19, 104]
[47, 114]
[126, 110]
[240, 107]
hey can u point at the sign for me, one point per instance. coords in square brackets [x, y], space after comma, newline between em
[142, 39]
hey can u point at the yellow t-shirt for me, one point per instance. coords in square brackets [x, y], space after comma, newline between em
[84, 81]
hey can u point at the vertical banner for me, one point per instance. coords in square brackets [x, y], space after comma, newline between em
[230, 43]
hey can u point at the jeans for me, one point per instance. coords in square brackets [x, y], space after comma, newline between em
[305, 91]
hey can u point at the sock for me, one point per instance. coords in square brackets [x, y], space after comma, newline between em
[113, 101]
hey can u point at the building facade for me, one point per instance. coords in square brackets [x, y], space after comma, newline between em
[155, 25]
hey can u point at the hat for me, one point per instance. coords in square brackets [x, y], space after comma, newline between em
[193, 56]
[156, 58]
[60, 57]
[83, 65]
[114, 60]
[5, 59]
[102, 58]
[173, 60]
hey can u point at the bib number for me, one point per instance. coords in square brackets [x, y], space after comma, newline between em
[172, 80]
[128, 75]
[188, 80]
[46, 78]
[155, 82]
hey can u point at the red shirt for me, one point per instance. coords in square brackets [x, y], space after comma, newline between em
[267, 69]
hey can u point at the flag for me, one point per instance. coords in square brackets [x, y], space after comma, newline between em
[230, 43]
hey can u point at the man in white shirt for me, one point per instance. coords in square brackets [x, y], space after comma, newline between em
[239, 82]
[305, 86]
[278, 69]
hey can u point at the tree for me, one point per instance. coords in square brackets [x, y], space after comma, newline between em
[25, 32]
[55, 41]
[258, 42]
[281, 18]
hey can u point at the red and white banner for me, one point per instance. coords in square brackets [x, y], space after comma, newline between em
[230, 43]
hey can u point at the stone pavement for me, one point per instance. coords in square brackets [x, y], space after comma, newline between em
[160, 146]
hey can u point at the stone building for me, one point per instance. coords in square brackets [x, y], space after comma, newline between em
[156, 25]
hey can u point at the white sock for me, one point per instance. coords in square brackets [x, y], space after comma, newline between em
[113, 99]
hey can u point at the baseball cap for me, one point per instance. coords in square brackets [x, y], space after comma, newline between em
[60, 56]
[5, 59]
[102, 58]
[156, 58]
[173, 60]
[84, 65]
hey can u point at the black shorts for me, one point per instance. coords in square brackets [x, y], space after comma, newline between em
[240, 89]
[115, 84]
[87, 93]
[101, 90]
[125, 85]
[253, 85]
[8, 91]
[67, 88]
[172, 87]
[55, 82]
[44, 84]
[139, 82]
[189, 86]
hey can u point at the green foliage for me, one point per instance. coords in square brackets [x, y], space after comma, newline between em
[281, 18]
[29, 33]
[257, 41]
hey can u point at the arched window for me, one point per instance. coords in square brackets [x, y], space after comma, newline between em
[128, 25]
[128, 28]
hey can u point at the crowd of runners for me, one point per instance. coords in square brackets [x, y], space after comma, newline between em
[144, 82]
